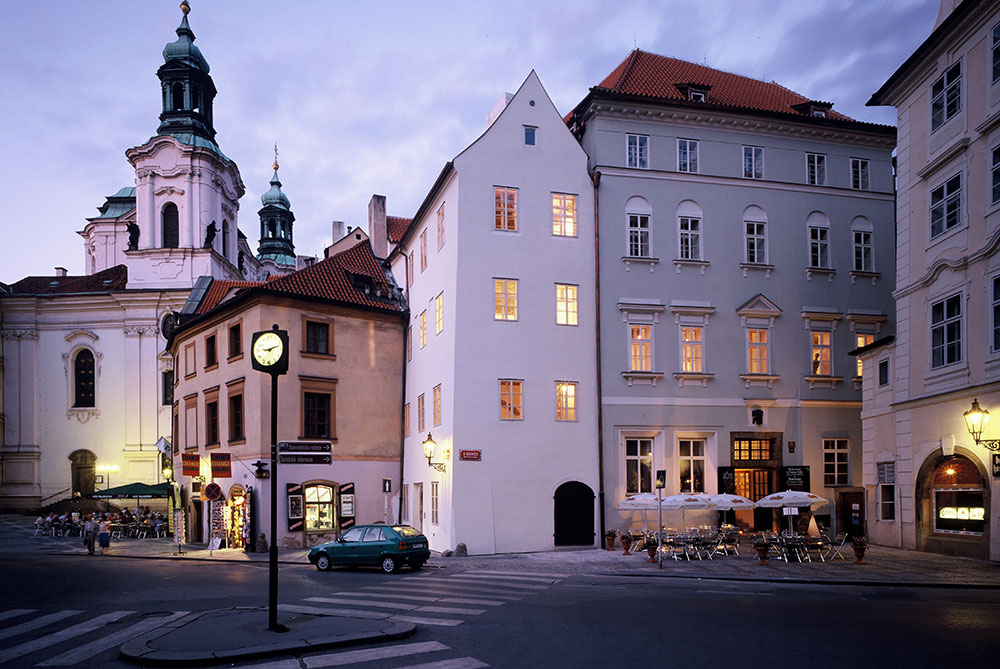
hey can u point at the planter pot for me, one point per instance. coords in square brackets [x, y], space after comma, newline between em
[626, 544]
[859, 553]
[610, 543]
[762, 552]
[651, 550]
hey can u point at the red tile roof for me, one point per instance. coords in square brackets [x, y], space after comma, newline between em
[218, 290]
[661, 78]
[113, 278]
[396, 227]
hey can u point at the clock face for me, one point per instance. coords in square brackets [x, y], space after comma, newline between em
[267, 349]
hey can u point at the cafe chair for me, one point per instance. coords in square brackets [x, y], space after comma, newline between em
[835, 546]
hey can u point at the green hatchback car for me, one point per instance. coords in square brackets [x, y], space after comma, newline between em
[385, 546]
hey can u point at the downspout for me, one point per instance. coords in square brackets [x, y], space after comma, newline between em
[597, 326]
[402, 414]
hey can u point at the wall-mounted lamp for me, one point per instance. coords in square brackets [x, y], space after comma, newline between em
[976, 419]
[429, 445]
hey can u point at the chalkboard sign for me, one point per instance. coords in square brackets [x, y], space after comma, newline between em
[727, 480]
[795, 478]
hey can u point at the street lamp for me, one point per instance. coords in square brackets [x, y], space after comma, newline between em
[429, 445]
[108, 469]
[976, 419]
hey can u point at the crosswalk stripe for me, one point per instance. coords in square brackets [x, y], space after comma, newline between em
[456, 580]
[13, 613]
[506, 578]
[89, 650]
[461, 600]
[41, 621]
[438, 589]
[442, 622]
[451, 609]
[411, 598]
[362, 602]
[493, 580]
[371, 654]
[521, 573]
[457, 663]
[14, 652]
[327, 611]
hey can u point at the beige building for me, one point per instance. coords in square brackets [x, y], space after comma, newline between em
[929, 482]
[340, 400]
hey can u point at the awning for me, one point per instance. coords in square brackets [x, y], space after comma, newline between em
[133, 491]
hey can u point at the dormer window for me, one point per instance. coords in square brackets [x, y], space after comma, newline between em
[694, 92]
[814, 108]
[819, 113]
[697, 96]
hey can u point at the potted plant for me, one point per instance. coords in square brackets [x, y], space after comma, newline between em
[609, 538]
[651, 545]
[626, 543]
[860, 545]
[762, 548]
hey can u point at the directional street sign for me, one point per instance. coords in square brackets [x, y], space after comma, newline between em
[304, 458]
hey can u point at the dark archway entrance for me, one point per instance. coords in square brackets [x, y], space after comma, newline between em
[82, 466]
[953, 505]
[574, 514]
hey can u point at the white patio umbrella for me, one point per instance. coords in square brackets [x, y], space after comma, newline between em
[643, 501]
[687, 501]
[728, 502]
[789, 498]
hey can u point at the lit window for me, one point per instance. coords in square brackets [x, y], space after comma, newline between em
[511, 399]
[691, 349]
[638, 466]
[821, 352]
[566, 304]
[506, 209]
[859, 174]
[690, 238]
[319, 507]
[505, 299]
[423, 250]
[422, 327]
[687, 155]
[757, 350]
[946, 331]
[816, 169]
[692, 465]
[440, 226]
[564, 215]
[420, 413]
[862, 339]
[946, 205]
[640, 348]
[565, 400]
[819, 247]
[436, 408]
[946, 96]
[836, 462]
[439, 314]
[409, 270]
[637, 151]
[753, 162]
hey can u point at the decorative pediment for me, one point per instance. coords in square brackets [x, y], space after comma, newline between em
[88, 334]
[824, 318]
[757, 309]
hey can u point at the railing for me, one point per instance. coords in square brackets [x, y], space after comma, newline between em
[45, 499]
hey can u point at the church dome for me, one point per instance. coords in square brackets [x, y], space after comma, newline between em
[274, 196]
[183, 49]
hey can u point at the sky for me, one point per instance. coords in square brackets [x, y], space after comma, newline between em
[368, 97]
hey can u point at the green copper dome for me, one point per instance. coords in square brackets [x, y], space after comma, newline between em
[184, 49]
[274, 196]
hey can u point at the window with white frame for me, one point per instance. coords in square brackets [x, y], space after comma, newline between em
[836, 462]
[996, 312]
[505, 214]
[946, 331]
[511, 399]
[638, 235]
[640, 347]
[505, 299]
[529, 135]
[859, 173]
[439, 314]
[821, 353]
[637, 151]
[995, 175]
[816, 169]
[691, 349]
[946, 96]
[566, 310]
[886, 473]
[440, 226]
[753, 162]
[690, 238]
[420, 413]
[638, 466]
[756, 242]
[862, 339]
[864, 248]
[687, 155]
[946, 205]
[566, 400]
[422, 327]
[995, 53]
[819, 247]
[434, 502]
[758, 351]
[409, 270]
[563, 215]
[436, 407]
[423, 250]
[691, 454]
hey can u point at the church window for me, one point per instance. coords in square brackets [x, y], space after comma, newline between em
[225, 239]
[196, 98]
[83, 379]
[271, 228]
[171, 235]
[177, 93]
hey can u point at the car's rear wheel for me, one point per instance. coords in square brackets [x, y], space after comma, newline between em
[416, 565]
[388, 564]
[323, 562]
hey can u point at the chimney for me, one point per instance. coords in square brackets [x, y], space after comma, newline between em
[498, 108]
[338, 232]
[60, 271]
[376, 226]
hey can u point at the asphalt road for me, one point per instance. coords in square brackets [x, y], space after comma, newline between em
[575, 620]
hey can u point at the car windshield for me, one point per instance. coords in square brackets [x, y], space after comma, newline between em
[406, 531]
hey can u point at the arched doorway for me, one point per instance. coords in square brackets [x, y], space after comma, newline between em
[574, 514]
[82, 466]
[953, 502]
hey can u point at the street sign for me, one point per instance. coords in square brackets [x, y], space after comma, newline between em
[387, 485]
[305, 458]
[661, 479]
[470, 455]
[211, 491]
[305, 446]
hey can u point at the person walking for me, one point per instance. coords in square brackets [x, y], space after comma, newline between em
[90, 529]
[104, 535]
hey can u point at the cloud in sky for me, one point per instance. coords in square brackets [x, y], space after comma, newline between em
[370, 97]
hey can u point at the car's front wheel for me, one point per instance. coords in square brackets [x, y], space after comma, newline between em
[323, 562]
[388, 564]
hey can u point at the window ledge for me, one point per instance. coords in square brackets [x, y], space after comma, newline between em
[690, 377]
[321, 356]
[235, 357]
[237, 442]
[213, 366]
[947, 376]
[823, 381]
[767, 380]
[628, 260]
[820, 270]
[874, 276]
[213, 447]
[678, 263]
[747, 266]
[642, 377]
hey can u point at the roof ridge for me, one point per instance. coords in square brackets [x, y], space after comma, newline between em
[632, 59]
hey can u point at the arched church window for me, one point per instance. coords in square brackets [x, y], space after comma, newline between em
[171, 234]
[225, 239]
[178, 97]
[83, 379]
[196, 98]
[271, 228]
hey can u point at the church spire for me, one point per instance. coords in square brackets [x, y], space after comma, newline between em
[276, 220]
[188, 89]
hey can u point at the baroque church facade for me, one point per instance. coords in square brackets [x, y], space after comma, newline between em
[87, 385]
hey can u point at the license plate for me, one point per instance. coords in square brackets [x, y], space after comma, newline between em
[419, 545]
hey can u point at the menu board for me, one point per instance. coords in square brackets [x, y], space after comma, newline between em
[795, 478]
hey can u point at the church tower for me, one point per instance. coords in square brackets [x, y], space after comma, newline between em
[276, 251]
[187, 191]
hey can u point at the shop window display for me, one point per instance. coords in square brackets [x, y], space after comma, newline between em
[319, 508]
[958, 498]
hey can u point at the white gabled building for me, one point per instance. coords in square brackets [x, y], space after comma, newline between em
[498, 264]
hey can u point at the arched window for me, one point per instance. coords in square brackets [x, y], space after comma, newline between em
[959, 505]
[178, 97]
[818, 226]
[863, 233]
[225, 239]
[755, 235]
[83, 379]
[638, 214]
[271, 228]
[689, 230]
[171, 234]
[319, 507]
[196, 98]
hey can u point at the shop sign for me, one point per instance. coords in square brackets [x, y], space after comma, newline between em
[470, 455]
[347, 505]
[796, 478]
[296, 510]
[305, 446]
[190, 465]
[304, 458]
[346, 493]
[222, 467]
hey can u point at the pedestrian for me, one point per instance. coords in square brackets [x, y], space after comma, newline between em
[104, 535]
[90, 529]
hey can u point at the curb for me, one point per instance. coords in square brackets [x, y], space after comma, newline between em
[806, 581]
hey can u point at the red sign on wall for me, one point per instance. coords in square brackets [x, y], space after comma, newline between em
[470, 455]
[190, 465]
[222, 467]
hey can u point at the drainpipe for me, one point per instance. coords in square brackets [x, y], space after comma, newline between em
[597, 326]
[402, 416]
